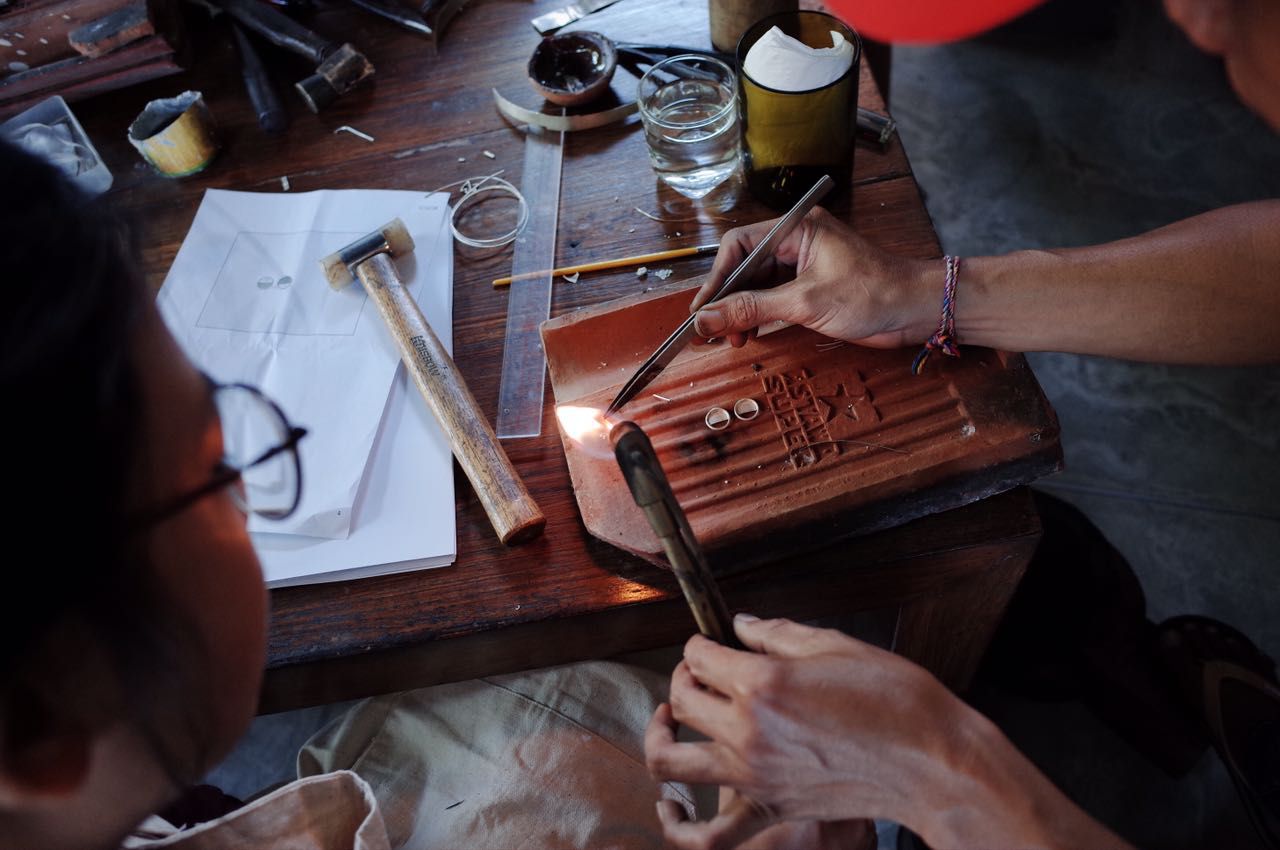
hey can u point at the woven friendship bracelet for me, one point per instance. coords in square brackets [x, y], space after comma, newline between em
[945, 339]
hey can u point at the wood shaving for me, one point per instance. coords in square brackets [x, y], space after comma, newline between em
[572, 278]
[661, 397]
[490, 154]
[411, 152]
[642, 271]
[284, 184]
[663, 274]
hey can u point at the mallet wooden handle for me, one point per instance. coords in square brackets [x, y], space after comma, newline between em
[513, 512]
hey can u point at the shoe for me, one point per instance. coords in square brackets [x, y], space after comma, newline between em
[1232, 685]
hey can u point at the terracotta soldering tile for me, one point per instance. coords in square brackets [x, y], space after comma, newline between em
[846, 441]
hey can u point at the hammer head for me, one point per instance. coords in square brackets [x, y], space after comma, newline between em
[392, 238]
[338, 73]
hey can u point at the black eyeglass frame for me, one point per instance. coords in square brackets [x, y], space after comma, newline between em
[227, 475]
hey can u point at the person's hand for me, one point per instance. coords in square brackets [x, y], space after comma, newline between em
[684, 834]
[839, 285]
[813, 725]
[816, 725]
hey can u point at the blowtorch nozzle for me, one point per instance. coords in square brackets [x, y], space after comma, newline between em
[653, 494]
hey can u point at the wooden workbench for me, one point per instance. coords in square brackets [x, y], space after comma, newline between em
[565, 596]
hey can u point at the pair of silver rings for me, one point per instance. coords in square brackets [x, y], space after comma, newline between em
[746, 409]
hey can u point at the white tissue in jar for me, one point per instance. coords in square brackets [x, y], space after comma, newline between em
[781, 62]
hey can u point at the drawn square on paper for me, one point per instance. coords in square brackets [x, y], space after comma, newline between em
[272, 283]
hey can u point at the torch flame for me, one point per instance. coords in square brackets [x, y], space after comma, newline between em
[581, 423]
[585, 426]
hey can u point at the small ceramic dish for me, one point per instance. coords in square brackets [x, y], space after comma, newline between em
[573, 68]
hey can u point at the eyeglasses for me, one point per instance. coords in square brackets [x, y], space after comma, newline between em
[259, 466]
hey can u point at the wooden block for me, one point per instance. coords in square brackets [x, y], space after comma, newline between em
[113, 30]
[79, 77]
[40, 29]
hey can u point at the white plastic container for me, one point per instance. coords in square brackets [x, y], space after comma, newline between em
[49, 129]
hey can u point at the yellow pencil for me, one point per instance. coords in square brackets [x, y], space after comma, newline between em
[656, 257]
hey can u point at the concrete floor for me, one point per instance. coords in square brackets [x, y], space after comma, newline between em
[1031, 143]
[1025, 143]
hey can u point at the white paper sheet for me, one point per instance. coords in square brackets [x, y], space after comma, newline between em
[247, 302]
[404, 516]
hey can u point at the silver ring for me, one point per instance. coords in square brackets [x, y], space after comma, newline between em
[717, 419]
[746, 409]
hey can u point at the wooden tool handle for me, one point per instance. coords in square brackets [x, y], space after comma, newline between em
[279, 29]
[513, 512]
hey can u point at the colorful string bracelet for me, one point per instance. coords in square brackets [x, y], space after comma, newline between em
[945, 339]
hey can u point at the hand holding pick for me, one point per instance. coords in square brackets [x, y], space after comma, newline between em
[836, 283]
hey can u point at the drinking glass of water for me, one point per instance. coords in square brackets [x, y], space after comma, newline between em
[688, 107]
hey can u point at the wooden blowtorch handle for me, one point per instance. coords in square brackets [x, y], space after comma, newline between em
[513, 512]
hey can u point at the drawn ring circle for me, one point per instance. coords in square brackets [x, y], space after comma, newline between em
[746, 409]
[717, 419]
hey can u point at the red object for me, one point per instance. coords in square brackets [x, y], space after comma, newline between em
[924, 21]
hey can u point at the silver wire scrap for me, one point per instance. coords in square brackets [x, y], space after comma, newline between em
[353, 131]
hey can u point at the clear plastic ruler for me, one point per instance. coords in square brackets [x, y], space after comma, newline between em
[524, 363]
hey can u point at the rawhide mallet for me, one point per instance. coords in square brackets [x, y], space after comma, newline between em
[513, 512]
[339, 67]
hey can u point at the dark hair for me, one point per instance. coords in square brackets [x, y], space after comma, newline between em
[71, 439]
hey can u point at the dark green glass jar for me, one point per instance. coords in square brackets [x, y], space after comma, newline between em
[791, 138]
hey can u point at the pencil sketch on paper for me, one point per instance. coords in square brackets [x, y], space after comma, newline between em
[256, 291]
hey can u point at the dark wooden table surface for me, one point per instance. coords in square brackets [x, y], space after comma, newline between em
[565, 596]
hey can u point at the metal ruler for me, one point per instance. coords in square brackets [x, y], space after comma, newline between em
[524, 363]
